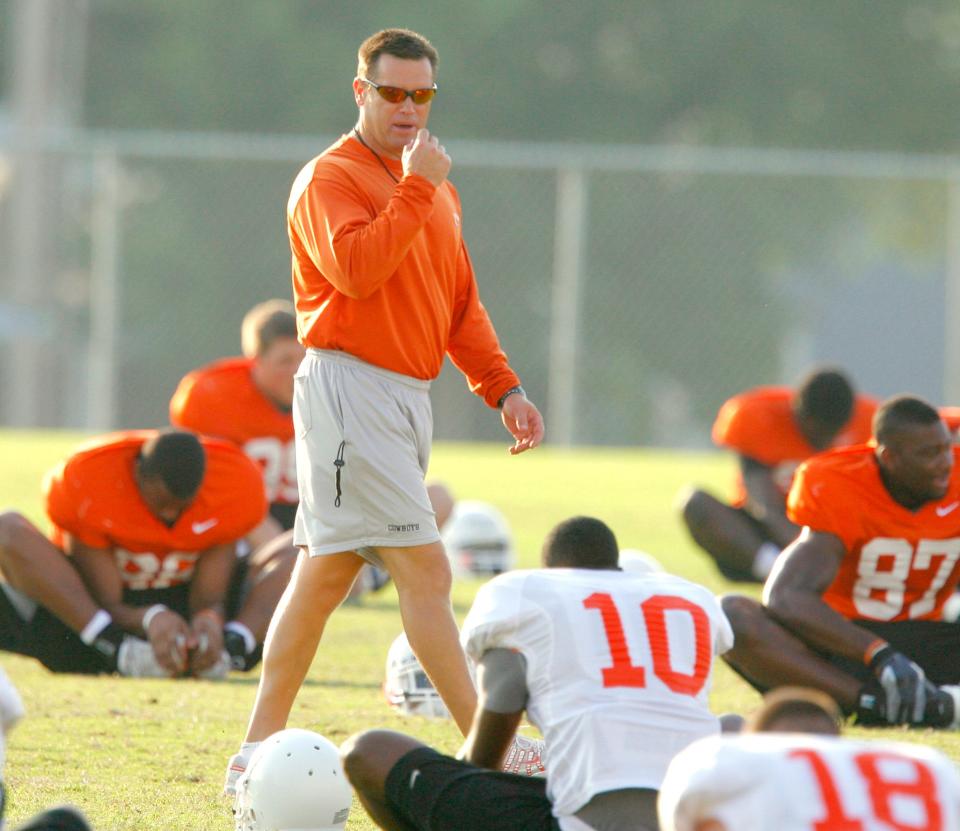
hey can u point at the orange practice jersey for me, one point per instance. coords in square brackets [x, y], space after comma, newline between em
[221, 400]
[900, 564]
[93, 497]
[759, 424]
[381, 271]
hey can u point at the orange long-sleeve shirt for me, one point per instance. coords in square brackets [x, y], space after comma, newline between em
[381, 271]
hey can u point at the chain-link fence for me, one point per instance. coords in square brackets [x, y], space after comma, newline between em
[633, 288]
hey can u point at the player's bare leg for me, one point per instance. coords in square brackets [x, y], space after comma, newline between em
[317, 586]
[367, 760]
[269, 574]
[769, 656]
[721, 531]
[423, 579]
[35, 567]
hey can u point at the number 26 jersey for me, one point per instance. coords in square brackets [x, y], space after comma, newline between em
[618, 668]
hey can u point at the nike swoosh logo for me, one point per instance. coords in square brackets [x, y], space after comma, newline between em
[943, 510]
[413, 778]
[202, 527]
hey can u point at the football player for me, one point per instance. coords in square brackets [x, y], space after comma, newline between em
[790, 770]
[151, 583]
[248, 400]
[854, 605]
[613, 667]
[772, 430]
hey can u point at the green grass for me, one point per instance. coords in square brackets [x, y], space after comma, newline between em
[146, 754]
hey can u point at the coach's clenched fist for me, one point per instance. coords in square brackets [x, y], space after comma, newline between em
[426, 156]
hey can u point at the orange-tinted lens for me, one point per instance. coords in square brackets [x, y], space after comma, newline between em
[392, 94]
[421, 96]
[396, 94]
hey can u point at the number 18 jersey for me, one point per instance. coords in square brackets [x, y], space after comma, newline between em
[795, 782]
[618, 667]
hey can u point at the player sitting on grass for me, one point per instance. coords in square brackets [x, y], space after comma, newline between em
[791, 771]
[854, 605]
[613, 667]
[772, 430]
[145, 527]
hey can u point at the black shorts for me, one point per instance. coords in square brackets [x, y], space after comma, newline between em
[433, 792]
[283, 513]
[56, 646]
[933, 644]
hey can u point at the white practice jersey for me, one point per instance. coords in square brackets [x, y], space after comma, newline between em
[797, 782]
[618, 669]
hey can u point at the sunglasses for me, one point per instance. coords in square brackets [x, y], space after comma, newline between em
[396, 94]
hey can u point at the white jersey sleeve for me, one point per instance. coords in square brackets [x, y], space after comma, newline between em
[618, 669]
[795, 782]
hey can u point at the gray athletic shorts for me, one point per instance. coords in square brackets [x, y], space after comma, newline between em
[363, 445]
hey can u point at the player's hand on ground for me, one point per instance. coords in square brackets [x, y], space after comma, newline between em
[170, 637]
[904, 686]
[523, 421]
[427, 157]
[207, 631]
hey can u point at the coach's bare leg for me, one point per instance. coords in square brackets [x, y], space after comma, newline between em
[368, 758]
[34, 566]
[768, 655]
[269, 574]
[318, 585]
[720, 530]
[423, 579]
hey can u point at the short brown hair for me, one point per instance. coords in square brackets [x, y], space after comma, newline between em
[265, 323]
[796, 710]
[401, 43]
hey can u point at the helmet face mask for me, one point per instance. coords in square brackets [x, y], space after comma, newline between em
[293, 782]
[478, 540]
[407, 687]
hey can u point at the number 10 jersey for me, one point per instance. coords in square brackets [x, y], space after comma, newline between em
[618, 667]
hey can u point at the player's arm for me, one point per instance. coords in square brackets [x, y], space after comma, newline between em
[208, 592]
[794, 596]
[766, 502]
[167, 631]
[502, 698]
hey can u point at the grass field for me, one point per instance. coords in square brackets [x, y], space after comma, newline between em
[147, 754]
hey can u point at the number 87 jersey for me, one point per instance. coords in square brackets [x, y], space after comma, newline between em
[793, 782]
[900, 564]
[618, 669]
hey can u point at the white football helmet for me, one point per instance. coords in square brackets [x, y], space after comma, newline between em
[407, 687]
[639, 562]
[293, 782]
[478, 540]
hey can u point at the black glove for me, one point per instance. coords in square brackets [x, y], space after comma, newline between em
[904, 686]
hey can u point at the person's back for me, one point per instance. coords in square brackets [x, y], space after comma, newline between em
[796, 782]
[617, 669]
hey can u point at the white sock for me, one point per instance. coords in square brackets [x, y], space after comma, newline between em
[100, 621]
[763, 562]
[249, 641]
[247, 748]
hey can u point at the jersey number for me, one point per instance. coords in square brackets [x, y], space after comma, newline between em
[918, 791]
[624, 673]
[278, 461]
[885, 567]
